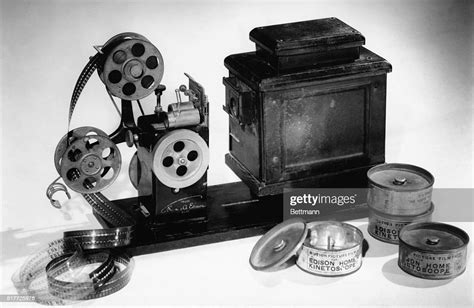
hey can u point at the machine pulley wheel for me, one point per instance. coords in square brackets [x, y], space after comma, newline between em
[180, 158]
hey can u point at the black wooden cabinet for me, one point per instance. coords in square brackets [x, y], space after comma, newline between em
[307, 108]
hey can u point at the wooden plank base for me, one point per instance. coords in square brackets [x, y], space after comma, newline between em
[233, 212]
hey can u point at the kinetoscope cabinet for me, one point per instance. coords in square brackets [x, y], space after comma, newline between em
[307, 109]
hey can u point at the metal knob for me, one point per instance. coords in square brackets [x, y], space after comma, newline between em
[280, 245]
[399, 181]
[432, 241]
[130, 138]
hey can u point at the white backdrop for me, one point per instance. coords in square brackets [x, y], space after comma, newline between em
[45, 45]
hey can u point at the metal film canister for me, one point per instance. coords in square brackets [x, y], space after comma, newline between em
[327, 248]
[386, 228]
[331, 249]
[433, 250]
[399, 189]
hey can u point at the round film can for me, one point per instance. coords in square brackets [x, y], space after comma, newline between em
[432, 250]
[399, 189]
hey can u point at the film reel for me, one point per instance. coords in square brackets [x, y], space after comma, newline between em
[139, 174]
[133, 67]
[90, 164]
[73, 135]
[180, 158]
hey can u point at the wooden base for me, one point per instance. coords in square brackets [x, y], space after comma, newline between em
[350, 178]
[233, 212]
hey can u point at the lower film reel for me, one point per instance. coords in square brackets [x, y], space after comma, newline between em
[69, 138]
[90, 164]
[180, 158]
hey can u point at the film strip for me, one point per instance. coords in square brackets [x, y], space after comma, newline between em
[84, 264]
[65, 272]
[81, 82]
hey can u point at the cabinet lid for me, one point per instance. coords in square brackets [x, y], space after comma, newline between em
[261, 76]
[306, 36]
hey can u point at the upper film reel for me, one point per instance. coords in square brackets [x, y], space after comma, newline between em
[133, 67]
[180, 158]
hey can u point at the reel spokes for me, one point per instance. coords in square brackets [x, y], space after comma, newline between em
[90, 164]
[133, 68]
[69, 138]
[180, 158]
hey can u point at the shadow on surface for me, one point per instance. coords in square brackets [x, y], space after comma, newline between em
[17, 243]
[293, 274]
[393, 273]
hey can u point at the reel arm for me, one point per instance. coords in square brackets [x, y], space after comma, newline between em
[126, 127]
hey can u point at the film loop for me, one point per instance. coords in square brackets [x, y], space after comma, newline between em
[53, 188]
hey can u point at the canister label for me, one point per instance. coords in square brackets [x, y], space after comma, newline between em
[330, 263]
[431, 265]
[385, 230]
[399, 203]
[388, 230]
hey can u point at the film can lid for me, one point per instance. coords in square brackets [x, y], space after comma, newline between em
[400, 177]
[433, 237]
[278, 245]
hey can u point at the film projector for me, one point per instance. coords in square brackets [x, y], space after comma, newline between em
[306, 109]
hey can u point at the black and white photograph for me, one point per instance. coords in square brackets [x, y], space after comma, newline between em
[236, 153]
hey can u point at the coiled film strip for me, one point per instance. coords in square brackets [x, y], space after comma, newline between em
[58, 274]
